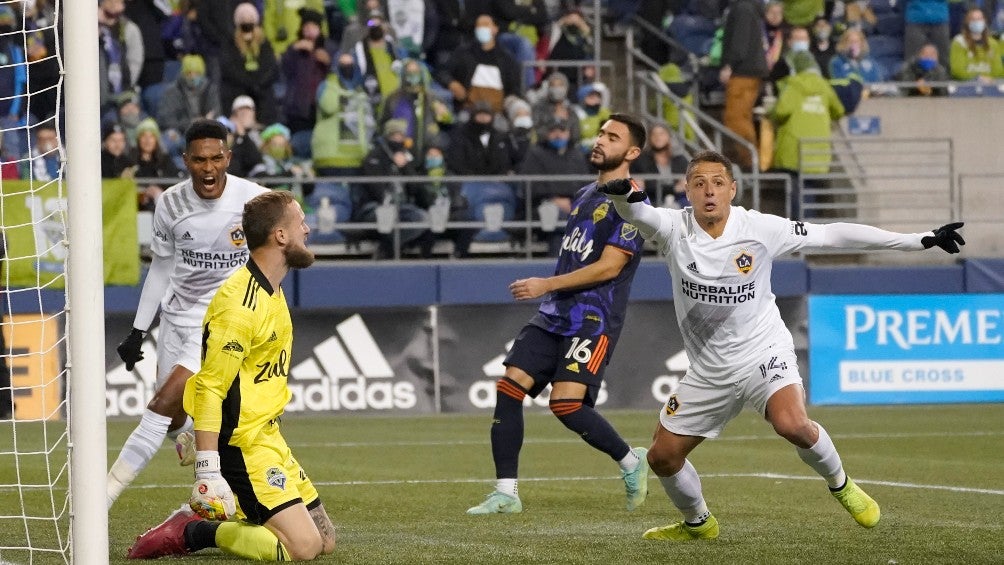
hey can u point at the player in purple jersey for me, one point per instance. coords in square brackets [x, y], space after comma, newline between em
[567, 344]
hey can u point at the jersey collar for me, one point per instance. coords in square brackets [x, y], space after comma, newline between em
[260, 276]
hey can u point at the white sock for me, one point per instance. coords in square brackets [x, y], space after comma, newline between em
[630, 461]
[138, 450]
[684, 489]
[188, 426]
[824, 459]
[507, 486]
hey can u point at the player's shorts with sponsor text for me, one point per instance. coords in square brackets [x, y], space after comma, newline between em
[702, 407]
[550, 357]
[265, 477]
[177, 345]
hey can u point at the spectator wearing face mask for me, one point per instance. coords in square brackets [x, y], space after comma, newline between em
[129, 114]
[974, 54]
[797, 41]
[853, 58]
[377, 59]
[305, 64]
[192, 95]
[483, 71]
[520, 120]
[554, 154]
[426, 115]
[823, 47]
[592, 111]
[345, 121]
[248, 65]
[120, 58]
[926, 21]
[552, 101]
[922, 69]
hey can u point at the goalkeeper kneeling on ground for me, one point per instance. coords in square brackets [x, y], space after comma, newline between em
[244, 471]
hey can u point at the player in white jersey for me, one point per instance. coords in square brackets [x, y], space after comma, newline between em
[197, 243]
[741, 354]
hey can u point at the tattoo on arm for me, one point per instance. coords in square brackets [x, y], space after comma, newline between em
[323, 523]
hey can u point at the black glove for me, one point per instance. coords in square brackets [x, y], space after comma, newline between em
[620, 187]
[945, 237]
[131, 348]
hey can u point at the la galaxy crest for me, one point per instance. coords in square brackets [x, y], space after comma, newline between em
[672, 405]
[275, 477]
[744, 262]
[237, 235]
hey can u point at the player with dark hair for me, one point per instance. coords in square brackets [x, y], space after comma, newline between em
[236, 399]
[568, 343]
[720, 258]
[197, 243]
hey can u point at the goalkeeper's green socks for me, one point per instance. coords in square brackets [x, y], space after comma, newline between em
[239, 538]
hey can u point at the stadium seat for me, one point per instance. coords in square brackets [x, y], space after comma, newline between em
[482, 194]
[890, 65]
[150, 97]
[340, 197]
[172, 68]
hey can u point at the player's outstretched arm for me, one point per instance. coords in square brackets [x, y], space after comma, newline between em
[843, 235]
[945, 237]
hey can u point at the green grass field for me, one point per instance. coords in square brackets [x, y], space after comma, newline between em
[397, 489]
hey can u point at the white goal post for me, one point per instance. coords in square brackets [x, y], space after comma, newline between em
[85, 287]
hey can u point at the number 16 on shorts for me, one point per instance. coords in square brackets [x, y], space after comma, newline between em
[586, 351]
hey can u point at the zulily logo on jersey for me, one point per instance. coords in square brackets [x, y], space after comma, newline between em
[348, 372]
[577, 242]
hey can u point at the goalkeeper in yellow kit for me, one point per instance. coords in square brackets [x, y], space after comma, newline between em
[236, 399]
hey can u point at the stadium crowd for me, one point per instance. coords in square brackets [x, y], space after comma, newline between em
[313, 90]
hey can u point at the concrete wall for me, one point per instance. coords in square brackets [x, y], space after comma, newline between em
[974, 126]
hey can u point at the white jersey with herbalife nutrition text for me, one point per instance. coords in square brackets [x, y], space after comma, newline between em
[206, 241]
[721, 287]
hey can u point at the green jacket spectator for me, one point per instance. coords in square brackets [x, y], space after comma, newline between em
[345, 121]
[975, 57]
[806, 109]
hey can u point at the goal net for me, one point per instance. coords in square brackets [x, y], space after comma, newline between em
[38, 423]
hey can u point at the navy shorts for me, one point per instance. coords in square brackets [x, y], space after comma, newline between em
[548, 357]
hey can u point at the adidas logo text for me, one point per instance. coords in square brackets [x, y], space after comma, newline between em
[693, 267]
[187, 236]
[348, 372]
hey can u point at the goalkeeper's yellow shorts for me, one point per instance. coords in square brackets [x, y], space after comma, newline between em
[265, 477]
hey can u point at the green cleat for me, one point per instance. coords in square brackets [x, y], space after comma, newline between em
[861, 506]
[498, 503]
[636, 482]
[680, 531]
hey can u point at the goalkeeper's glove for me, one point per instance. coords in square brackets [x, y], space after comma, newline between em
[945, 237]
[131, 348]
[621, 187]
[211, 496]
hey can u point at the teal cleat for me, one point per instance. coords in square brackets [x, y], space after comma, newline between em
[636, 482]
[498, 503]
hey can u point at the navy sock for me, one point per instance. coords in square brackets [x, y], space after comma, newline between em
[592, 427]
[507, 428]
[201, 534]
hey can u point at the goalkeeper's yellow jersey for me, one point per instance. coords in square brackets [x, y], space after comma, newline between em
[247, 341]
